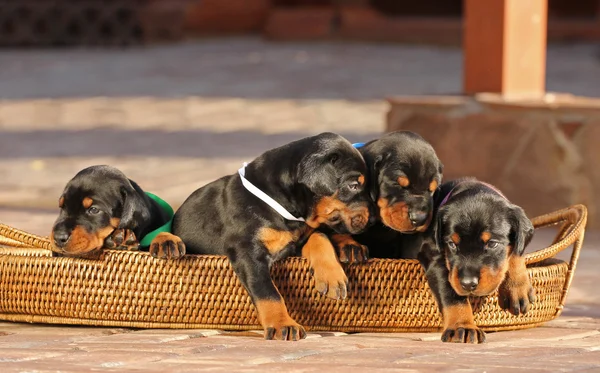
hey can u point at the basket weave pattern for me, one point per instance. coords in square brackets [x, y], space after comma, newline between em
[132, 289]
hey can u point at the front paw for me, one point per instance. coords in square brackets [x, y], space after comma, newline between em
[516, 298]
[122, 239]
[331, 281]
[463, 334]
[348, 250]
[290, 331]
[167, 246]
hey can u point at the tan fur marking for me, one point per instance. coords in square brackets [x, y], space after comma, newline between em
[275, 240]
[274, 314]
[114, 222]
[485, 236]
[455, 238]
[490, 279]
[517, 272]
[87, 202]
[322, 259]
[433, 186]
[403, 181]
[167, 246]
[61, 202]
[330, 207]
[361, 179]
[459, 316]
[395, 216]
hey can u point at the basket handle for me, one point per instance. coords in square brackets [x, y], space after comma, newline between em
[574, 219]
[13, 237]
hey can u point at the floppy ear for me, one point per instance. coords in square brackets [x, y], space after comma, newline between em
[521, 231]
[135, 209]
[318, 174]
[437, 231]
[374, 168]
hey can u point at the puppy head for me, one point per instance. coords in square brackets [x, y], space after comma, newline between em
[404, 173]
[477, 230]
[334, 174]
[95, 202]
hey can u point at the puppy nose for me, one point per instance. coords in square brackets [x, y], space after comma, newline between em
[372, 218]
[61, 238]
[417, 218]
[469, 283]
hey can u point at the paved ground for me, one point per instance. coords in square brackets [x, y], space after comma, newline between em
[176, 117]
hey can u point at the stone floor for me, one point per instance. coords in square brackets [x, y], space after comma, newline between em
[176, 117]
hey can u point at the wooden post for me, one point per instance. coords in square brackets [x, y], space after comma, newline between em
[505, 46]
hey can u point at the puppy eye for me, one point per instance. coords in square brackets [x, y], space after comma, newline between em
[354, 186]
[451, 245]
[93, 211]
[334, 158]
[491, 245]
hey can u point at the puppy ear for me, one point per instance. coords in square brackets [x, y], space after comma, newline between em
[521, 231]
[437, 231]
[373, 177]
[319, 174]
[135, 209]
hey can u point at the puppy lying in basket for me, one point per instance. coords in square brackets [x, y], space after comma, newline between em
[269, 211]
[101, 208]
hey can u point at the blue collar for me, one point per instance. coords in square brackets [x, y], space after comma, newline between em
[358, 145]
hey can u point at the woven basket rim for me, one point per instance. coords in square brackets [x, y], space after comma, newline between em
[26, 254]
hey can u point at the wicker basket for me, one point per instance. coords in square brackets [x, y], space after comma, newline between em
[131, 289]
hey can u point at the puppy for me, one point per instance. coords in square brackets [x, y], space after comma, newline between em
[404, 173]
[315, 181]
[474, 247]
[100, 207]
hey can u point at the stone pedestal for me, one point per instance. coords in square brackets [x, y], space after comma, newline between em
[544, 154]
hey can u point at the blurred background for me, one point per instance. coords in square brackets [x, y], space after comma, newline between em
[177, 93]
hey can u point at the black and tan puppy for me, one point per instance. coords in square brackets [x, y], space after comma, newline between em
[318, 180]
[100, 207]
[404, 172]
[474, 247]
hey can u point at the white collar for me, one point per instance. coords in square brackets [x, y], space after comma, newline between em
[264, 197]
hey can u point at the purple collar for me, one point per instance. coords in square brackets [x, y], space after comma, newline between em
[481, 182]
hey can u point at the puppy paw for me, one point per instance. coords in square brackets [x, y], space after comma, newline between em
[463, 334]
[348, 250]
[516, 298]
[290, 331]
[167, 246]
[330, 281]
[122, 239]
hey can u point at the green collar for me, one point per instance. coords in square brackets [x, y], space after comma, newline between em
[147, 240]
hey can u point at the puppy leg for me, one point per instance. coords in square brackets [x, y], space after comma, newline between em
[459, 325]
[516, 294]
[122, 239]
[167, 246]
[329, 276]
[272, 312]
[349, 251]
